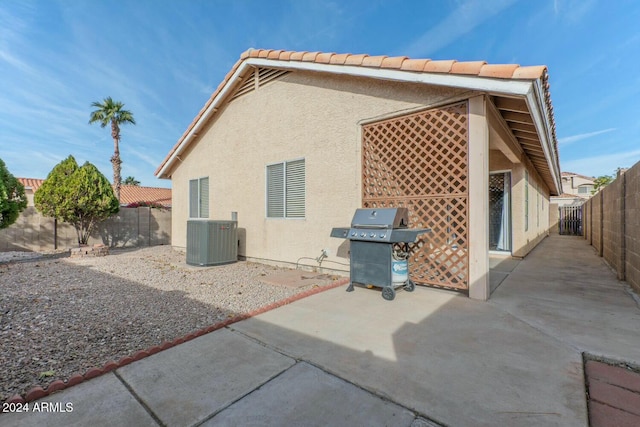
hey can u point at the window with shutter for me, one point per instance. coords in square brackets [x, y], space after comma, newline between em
[204, 198]
[285, 192]
[193, 198]
[199, 198]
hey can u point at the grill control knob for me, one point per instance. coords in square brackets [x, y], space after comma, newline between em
[354, 234]
[372, 234]
[363, 234]
[382, 235]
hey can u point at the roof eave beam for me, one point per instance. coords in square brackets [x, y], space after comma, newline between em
[539, 112]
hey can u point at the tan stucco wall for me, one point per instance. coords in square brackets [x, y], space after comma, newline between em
[302, 115]
[524, 238]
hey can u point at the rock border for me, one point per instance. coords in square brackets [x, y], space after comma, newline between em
[38, 392]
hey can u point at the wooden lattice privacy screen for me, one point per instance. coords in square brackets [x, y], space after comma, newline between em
[419, 161]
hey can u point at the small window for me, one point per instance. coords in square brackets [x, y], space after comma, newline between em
[585, 189]
[199, 198]
[286, 189]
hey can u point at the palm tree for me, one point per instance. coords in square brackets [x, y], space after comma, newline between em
[111, 112]
[131, 181]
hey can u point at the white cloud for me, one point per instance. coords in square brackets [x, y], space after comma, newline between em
[154, 163]
[461, 21]
[603, 164]
[579, 137]
[573, 10]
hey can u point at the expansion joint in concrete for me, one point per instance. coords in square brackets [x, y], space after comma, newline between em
[268, 380]
[139, 399]
[376, 393]
[543, 332]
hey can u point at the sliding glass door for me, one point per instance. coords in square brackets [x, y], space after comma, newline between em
[500, 211]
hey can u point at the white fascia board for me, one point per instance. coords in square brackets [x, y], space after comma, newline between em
[483, 84]
[205, 117]
[536, 102]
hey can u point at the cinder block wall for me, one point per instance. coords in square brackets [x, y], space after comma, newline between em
[613, 225]
[632, 226]
[596, 222]
[131, 227]
[611, 222]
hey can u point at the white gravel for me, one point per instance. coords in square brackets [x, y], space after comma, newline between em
[60, 316]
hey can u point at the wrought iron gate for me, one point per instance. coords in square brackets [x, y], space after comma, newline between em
[419, 161]
[570, 220]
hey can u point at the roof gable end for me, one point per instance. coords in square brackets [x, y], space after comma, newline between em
[505, 79]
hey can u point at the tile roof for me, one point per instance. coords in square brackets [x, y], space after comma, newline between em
[136, 193]
[128, 193]
[402, 63]
[570, 174]
[33, 183]
[569, 196]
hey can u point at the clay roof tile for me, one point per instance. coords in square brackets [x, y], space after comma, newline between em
[533, 72]
[355, 59]
[502, 71]
[297, 56]
[373, 61]
[438, 66]
[393, 62]
[285, 55]
[414, 64]
[324, 58]
[310, 56]
[274, 54]
[339, 58]
[467, 67]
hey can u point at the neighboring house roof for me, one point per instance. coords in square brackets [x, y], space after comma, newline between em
[128, 193]
[569, 196]
[31, 183]
[533, 121]
[136, 193]
[570, 174]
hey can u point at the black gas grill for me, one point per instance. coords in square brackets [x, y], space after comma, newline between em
[379, 248]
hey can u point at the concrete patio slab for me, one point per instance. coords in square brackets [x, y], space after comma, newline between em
[431, 357]
[187, 384]
[501, 265]
[456, 361]
[102, 401]
[307, 396]
[565, 290]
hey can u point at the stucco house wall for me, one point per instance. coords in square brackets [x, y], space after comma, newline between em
[306, 115]
[277, 106]
[528, 229]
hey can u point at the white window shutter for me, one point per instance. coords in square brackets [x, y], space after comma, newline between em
[204, 198]
[275, 191]
[295, 189]
[193, 198]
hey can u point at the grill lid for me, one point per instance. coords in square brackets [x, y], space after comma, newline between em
[380, 218]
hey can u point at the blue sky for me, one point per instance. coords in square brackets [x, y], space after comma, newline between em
[163, 59]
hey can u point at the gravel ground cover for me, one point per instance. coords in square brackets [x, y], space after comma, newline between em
[60, 315]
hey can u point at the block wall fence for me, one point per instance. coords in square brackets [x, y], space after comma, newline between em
[131, 227]
[612, 225]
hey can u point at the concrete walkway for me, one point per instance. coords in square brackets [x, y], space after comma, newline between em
[427, 358]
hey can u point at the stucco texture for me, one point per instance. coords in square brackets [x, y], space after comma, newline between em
[301, 115]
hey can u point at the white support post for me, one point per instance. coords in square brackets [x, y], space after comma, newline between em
[478, 208]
